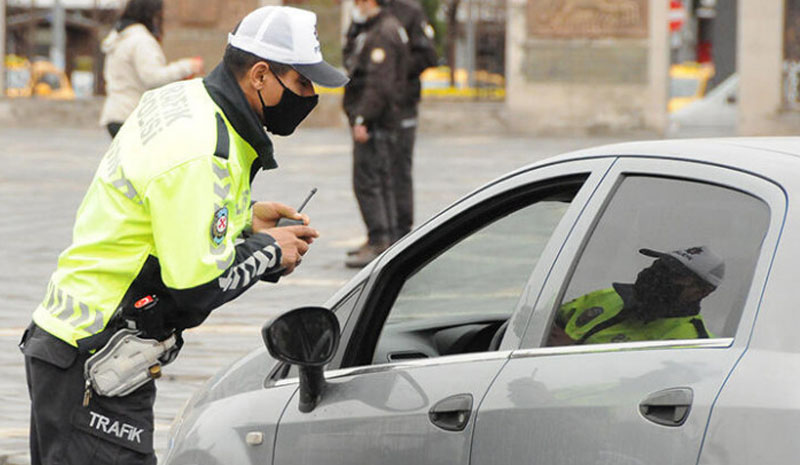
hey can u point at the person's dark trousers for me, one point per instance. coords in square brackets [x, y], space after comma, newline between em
[401, 172]
[109, 430]
[372, 184]
[113, 128]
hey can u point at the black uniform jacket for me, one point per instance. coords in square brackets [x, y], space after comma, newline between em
[377, 64]
[420, 44]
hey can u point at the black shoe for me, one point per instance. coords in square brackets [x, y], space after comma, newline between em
[365, 255]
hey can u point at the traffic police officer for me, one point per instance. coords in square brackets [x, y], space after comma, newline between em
[663, 303]
[167, 232]
[377, 65]
[422, 52]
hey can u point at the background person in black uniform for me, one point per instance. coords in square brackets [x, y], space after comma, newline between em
[422, 52]
[377, 64]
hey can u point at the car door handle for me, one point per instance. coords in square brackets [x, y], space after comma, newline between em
[669, 407]
[452, 413]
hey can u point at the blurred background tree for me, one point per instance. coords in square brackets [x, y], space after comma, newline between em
[433, 9]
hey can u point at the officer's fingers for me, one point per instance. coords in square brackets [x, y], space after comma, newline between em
[285, 210]
[289, 256]
[266, 211]
[287, 270]
[304, 217]
[303, 231]
[302, 247]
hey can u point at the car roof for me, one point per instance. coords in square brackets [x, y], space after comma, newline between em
[770, 157]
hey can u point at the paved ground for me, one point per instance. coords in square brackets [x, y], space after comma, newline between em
[44, 174]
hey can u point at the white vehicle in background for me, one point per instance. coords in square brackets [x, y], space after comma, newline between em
[713, 115]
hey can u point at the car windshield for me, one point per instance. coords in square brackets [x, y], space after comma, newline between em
[684, 87]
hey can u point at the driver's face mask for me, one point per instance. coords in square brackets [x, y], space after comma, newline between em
[282, 118]
[656, 291]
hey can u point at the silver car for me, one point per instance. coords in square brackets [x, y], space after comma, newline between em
[441, 351]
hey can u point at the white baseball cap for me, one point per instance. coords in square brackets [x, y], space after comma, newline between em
[701, 260]
[286, 35]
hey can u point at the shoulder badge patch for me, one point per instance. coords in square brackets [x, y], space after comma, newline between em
[429, 33]
[588, 315]
[377, 55]
[401, 31]
[220, 225]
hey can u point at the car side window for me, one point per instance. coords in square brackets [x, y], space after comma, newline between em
[456, 300]
[668, 259]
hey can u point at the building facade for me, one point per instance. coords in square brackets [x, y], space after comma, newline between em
[597, 65]
[769, 67]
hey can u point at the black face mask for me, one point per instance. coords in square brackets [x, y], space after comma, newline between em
[658, 294]
[283, 118]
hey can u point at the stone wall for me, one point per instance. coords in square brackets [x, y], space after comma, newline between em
[762, 107]
[201, 27]
[597, 65]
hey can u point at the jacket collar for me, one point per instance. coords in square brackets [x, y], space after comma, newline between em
[374, 19]
[226, 93]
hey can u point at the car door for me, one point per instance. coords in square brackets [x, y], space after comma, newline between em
[419, 353]
[649, 401]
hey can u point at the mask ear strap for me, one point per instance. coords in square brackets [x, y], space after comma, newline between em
[279, 80]
[264, 108]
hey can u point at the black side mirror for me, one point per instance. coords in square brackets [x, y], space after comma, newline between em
[307, 337]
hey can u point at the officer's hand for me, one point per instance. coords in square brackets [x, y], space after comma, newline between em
[294, 242]
[267, 214]
[360, 133]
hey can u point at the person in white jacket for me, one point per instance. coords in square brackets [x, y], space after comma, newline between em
[135, 62]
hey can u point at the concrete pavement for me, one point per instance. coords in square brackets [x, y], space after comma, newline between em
[44, 174]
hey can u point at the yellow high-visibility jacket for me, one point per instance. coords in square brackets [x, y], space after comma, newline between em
[156, 228]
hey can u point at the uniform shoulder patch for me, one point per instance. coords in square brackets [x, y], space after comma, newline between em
[429, 32]
[401, 31]
[378, 55]
[588, 315]
[219, 227]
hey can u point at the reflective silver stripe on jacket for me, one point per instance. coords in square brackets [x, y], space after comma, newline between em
[242, 274]
[72, 311]
[221, 191]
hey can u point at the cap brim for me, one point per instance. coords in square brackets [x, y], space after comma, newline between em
[653, 253]
[323, 74]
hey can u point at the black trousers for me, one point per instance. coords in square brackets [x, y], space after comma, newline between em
[401, 168]
[373, 185]
[110, 430]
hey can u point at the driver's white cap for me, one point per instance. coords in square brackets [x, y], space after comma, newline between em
[701, 260]
[286, 35]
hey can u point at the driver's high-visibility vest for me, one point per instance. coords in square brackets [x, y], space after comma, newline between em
[580, 316]
[159, 220]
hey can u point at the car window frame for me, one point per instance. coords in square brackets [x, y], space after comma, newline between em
[534, 340]
[404, 257]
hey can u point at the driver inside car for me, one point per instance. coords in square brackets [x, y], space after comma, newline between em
[663, 303]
